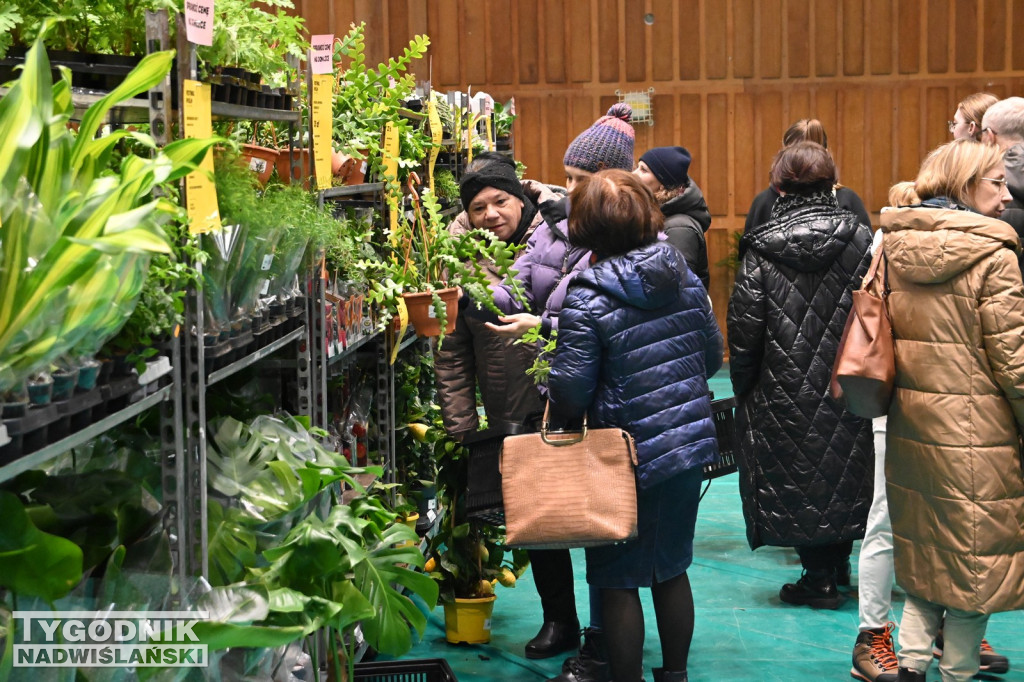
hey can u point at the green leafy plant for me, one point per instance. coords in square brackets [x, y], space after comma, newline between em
[541, 367]
[467, 557]
[445, 185]
[69, 227]
[258, 37]
[104, 26]
[365, 99]
[503, 119]
[422, 255]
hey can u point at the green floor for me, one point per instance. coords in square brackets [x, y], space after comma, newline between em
[743, 631]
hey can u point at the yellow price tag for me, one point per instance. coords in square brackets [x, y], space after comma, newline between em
[390, 152]
[436, 135]
[490, 136]
[403, 325]
[200, 190]
[322, 113]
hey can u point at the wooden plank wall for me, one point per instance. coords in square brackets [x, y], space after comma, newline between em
[728, 76]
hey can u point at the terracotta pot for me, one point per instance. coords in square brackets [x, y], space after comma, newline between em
[260, 160]
[303, 172]
[340, 164]
[422, 315]
[358, 168]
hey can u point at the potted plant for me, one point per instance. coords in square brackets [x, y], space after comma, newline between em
[467, 557]
[422, 264]
[69, 225]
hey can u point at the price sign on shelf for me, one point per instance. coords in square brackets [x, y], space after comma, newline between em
[200, 192]
[321, 53]
[390, 153]
[199, 21]
[321, 115]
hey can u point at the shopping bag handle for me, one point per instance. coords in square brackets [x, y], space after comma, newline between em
[565, 437]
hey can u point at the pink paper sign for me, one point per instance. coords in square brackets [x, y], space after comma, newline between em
[199, 21]
[321, 53]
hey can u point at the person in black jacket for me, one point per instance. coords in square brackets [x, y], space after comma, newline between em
[810, 130]
[806, 464]
[664, 170]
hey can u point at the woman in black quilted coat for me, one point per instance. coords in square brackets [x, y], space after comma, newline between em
[806, 465]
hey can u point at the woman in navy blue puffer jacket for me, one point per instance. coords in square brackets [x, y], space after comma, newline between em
[636, 344]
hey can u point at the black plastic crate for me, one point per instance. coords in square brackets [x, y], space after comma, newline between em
[725, 426]
[424, 670]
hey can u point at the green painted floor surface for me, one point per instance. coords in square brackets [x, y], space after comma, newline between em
[743, 631]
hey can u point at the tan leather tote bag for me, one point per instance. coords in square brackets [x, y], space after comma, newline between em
[565, 489]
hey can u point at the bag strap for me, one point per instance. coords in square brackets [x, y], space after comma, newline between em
[545, 426]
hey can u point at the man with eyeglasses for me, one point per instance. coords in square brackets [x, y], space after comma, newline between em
[1003, 125]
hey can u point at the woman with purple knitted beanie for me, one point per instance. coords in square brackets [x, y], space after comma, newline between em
[545, 270]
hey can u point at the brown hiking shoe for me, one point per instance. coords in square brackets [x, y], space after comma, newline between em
[874, 659]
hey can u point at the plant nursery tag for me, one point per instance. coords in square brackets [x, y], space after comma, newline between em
[321, 53]
[322, 109]
[490, 134]
[512, 106]
[436, 134]
[390, 152]
[199, 21]
[265, 288]
[268, 260]
[200, 192]
[403, 324]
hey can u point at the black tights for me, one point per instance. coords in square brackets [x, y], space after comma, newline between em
[624, 627]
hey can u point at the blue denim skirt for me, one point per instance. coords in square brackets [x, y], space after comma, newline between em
[663, 548]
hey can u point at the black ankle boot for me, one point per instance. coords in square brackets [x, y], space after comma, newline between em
[554, 638]
[816, 588]
[910, 675]
[590, 664]
[843, 572]
[662, 675]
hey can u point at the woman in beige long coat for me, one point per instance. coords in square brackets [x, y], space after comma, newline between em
[953, 469]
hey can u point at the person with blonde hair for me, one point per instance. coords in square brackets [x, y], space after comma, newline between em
[954, 481]
[966, 123]
[804, 130]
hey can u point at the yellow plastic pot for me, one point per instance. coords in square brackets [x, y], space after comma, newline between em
[468, 620]
[409, 521]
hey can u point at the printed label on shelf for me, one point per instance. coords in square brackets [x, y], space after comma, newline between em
[4, 438]
[199, 21]
[268, 260]
[322, 104]
[321, 52]
[200, 192]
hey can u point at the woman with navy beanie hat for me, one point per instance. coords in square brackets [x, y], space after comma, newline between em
[664, 170]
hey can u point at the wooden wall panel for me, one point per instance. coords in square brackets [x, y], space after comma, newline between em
[853, 37]
[529, 41]
[580, 43]
[500, 65]
[880, 42]
[966, 35]
[728, 76]
[994, 35]
[908, 35]
[743, 38]
[938, 35]
[715, 35]
[769, 58]
[798, 39]
[690, 42]
[826, 38]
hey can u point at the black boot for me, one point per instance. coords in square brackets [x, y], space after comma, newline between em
[591, 663]
[816, 588]
[554, 638]
[843, 572]
[910, 675]
[662, 675]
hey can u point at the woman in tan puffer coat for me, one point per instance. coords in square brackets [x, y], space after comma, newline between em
[953, 468]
